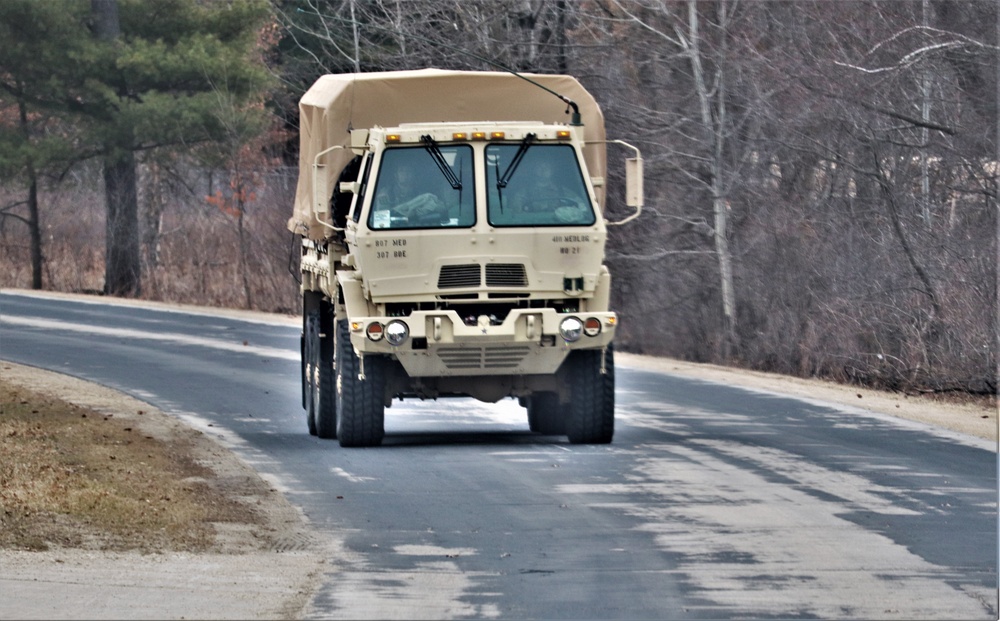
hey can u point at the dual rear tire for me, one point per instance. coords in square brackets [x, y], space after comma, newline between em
[318, 380]
[338, 403]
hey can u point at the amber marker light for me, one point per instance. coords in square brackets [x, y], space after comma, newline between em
[563, 134]
[393, 138]
[498, 135]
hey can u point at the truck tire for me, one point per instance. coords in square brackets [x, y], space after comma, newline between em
[591, 412]
[307, 395]
[318, 379]
[360, 403]
[545, 415]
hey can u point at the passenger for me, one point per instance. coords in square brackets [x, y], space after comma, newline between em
[544, 198]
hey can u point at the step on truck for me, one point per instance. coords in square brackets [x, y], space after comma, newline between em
[453, 233]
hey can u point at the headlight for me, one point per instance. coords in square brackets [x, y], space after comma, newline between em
[375, 331]
[396, 332]
[592, 327]
[571, 328]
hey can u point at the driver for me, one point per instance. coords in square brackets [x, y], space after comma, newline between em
[543, 192]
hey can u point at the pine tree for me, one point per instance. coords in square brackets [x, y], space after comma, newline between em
[33, 142]
[132, 76]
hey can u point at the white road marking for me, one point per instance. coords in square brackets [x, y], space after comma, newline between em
[270, 319]
[425, 550]
[353, 478]
[169, 337]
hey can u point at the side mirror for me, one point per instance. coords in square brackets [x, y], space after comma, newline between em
[321, 185]
[633, 182]
[321, 196]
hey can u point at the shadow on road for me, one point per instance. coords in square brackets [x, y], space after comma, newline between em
[458, 438]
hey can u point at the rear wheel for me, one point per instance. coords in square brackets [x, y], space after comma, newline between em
[591, 412]
[545, 414]
[318, 386]
[360, 402]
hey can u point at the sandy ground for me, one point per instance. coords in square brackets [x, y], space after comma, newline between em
[271, 571]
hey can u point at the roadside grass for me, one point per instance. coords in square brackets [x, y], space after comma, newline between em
[72, 477]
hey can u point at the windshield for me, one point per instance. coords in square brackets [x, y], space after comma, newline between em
[544, 188]
[413, 191]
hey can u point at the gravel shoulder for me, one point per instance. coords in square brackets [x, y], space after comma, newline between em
[269, 568]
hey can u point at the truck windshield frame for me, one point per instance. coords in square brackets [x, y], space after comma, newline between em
[547, 188]
[411, 191]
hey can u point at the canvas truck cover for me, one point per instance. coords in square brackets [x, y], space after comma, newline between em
[337, 103]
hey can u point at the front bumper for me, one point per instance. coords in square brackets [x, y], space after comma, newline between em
[442, 344]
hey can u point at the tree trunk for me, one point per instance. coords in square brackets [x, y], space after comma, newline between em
[715, 128]
[152, 217]
[34, 226]
[36, 231]
[562, 64]
[357, 44]
[122, 260]
[244, 260]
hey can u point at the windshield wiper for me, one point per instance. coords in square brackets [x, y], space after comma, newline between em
[514, 163]
[432, 147]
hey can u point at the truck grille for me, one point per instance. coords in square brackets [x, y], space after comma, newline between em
[458, 276]
[499, 357]
[497, 275]
[506, 275]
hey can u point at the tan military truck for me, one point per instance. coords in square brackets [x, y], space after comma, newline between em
[452, 246]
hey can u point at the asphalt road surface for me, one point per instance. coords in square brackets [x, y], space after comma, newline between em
[712, 502]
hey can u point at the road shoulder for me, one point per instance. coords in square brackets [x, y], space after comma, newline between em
[267, 568]
[968, 419]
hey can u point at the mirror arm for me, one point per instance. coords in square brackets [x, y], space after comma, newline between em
[633, 181]
[321, 195]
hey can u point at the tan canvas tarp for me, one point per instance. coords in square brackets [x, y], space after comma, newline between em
[337, 103]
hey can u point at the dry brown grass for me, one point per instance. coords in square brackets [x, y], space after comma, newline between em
[73, 477]
[195, 257]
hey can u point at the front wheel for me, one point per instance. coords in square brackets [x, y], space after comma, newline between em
[591, 412]
[360, 402]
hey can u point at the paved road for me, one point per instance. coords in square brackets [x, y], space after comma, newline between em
[713, 502]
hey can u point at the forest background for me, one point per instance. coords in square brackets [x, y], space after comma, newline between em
[821, 175]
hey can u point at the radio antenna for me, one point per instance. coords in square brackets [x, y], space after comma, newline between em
[575, 118]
